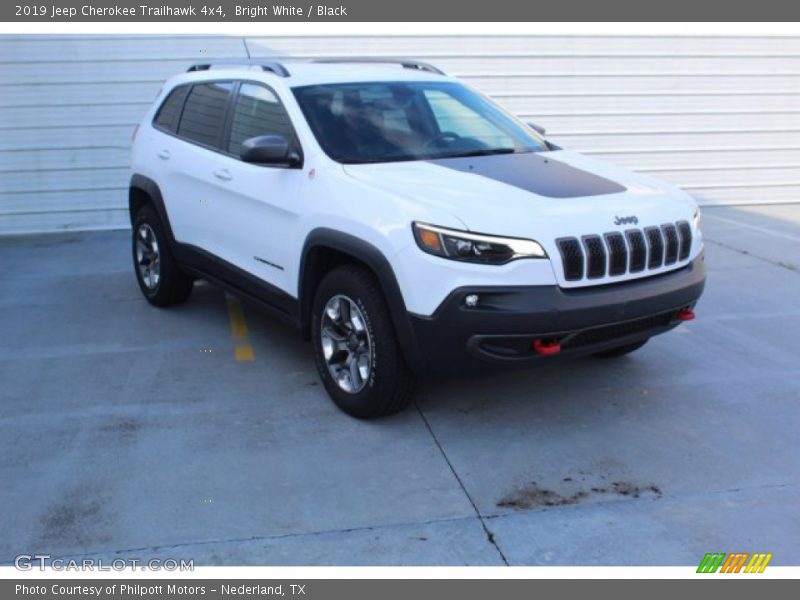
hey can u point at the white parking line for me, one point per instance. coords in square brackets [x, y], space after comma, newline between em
[753, 227]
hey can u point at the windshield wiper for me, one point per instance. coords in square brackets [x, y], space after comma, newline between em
[479, 152]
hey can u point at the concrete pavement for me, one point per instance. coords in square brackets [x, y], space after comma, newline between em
[127, 430]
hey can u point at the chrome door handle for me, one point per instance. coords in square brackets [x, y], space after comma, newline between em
[164, 154]
[223, 174]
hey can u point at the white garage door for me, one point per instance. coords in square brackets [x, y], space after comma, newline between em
[719, 116]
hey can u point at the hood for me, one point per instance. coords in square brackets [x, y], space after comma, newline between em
[542, 196]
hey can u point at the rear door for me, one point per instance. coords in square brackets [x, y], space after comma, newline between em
[191, 161]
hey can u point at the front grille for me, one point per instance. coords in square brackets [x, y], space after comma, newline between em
[638, 250]
[595, 256]
[607, 333]
[614, 253]
[617, 253]
[571, 257]
[655, 247]
[670, 242]
[685, 236]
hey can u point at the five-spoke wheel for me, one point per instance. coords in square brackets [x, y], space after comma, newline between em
[357, 353]
[148, 259]
[346, 344]
[160, 278]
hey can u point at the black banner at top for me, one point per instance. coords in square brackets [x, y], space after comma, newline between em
[395, 10]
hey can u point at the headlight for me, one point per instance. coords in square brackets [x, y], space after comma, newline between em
[474, 247]
[697, 218]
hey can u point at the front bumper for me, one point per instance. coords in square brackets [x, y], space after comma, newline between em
[501, 329]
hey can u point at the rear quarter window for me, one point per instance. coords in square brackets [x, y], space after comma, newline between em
[204, 112]
[170, 111]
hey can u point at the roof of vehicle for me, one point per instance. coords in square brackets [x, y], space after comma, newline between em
[297, 73]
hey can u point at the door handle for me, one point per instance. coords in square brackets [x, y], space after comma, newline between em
[223, 174]
[164, 154]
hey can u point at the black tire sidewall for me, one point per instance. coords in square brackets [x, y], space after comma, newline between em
[174, 286]
[385, 365]
[146, 215]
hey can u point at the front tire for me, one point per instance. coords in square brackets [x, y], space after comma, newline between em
[160, 278]
[621, 350]
[355, 346]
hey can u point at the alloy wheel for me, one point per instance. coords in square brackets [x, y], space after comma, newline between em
[148, 259]
[346, 344]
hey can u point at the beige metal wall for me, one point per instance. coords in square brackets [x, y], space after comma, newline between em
[719, 116]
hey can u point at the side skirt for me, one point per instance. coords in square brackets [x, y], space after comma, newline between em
[200, 263]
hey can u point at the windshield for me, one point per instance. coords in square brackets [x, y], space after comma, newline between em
[394, 121]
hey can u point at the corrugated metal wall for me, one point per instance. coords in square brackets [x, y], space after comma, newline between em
[717, 115]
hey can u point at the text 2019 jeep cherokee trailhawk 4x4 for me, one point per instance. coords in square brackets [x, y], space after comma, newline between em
[403, 221]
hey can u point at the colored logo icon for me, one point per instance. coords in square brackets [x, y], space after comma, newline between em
[737, 562]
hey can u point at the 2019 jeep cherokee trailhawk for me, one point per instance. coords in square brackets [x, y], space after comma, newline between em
[404, 222]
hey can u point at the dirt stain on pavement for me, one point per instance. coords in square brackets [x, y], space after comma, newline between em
[534, 496]
[76, 519]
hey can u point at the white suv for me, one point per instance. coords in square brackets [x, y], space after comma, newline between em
[404, 222]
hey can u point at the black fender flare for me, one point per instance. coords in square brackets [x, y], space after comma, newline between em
[374, 259]
[150, 187]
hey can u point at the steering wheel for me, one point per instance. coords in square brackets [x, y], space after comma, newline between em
[444, 136]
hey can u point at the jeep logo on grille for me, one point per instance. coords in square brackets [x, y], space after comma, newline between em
[631, 220]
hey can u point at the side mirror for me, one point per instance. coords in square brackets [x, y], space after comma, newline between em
[537, 128]
[269, 150]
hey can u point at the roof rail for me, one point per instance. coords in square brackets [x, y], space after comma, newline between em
[406, 63]
[273, 67]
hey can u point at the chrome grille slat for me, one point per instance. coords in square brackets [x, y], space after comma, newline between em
[616, 253]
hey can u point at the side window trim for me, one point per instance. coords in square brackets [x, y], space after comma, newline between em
[228, 124]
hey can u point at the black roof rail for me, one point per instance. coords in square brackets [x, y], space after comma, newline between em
[406, 63]
[273, 67]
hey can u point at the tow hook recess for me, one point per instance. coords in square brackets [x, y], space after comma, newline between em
[551, 347]
[685, 314]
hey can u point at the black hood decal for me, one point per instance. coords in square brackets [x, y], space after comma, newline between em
[534, 172]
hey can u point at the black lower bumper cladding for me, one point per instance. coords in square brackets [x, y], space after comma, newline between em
[529, 324]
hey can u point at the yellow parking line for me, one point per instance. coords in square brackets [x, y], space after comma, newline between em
[243, 350]
[236, 314]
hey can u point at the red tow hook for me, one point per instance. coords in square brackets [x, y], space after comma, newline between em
[685, 314]
[546, 348]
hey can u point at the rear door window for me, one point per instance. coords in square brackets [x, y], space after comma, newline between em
[204, 113]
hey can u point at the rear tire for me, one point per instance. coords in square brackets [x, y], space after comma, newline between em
[621, 350]
[356, 350]
[160, 278]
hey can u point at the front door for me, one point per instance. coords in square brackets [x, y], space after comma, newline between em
[254, 207]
